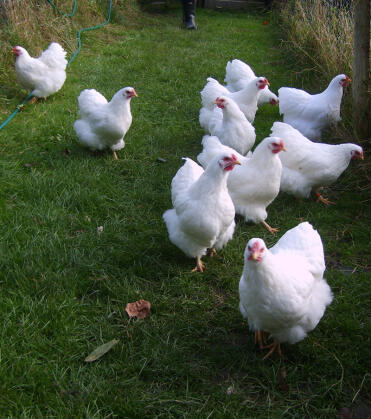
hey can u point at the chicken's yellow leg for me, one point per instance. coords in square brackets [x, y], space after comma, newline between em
[199, 265]
[260, 338]
[275, 345]
[325, 201]
[269, 228]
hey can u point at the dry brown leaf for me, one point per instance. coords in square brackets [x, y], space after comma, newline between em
[140, 309]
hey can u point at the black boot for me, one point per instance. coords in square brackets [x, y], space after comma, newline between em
[189, 14]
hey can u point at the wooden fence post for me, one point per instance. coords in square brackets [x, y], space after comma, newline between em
[361, 68]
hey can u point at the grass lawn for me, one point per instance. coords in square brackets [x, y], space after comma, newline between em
[64, 285]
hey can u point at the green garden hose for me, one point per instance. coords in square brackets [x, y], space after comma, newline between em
[62, 13]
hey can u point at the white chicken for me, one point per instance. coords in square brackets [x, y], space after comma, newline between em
[282, 289]
[231, 126]
[104, 124]
[246, 99]
[308, 166]
[44, 75]
[256, 183]
[203, 213]
[238, 74]
[310, 114]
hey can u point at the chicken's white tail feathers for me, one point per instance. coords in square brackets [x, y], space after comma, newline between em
[54, 56]
[88, 100]
[211, 91]
[211, 148]
[306, 241]
[184, 178]
[206, 115]
[236, 70]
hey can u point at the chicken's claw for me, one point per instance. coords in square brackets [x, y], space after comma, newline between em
[272, 230]
[199, 266]
[325, 201]
[275, 345]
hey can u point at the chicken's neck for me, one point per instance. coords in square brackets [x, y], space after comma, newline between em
[232, 113]
[120, 105]
[249, 94]
[213, 179]
[23, 58]
[262, 273]
[333, 93]
[341, 153]
[262, 155]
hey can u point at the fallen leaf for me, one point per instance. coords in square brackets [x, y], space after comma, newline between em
[161, 160]
[265, 22]
[99, 229]
[66, 152]
[27, 165]
[139, 309]
[229, 390]
[101, 350]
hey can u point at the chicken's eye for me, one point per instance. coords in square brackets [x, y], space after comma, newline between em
[262, 250]
[249, 248]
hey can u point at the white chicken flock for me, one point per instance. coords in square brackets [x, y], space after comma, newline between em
[282, 290]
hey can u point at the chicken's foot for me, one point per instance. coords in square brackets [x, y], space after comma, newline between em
[272, 230]
[260, 338]
[325, 201]
[275, 345]
[114, 155]
[33, 100]
[199, 266]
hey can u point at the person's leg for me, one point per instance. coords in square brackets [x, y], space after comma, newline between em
[189, 14]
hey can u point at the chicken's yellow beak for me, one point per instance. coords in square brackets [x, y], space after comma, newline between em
[254, 255]
[237, 162]
[284, 149]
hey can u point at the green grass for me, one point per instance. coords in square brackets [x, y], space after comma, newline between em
[64, 286]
